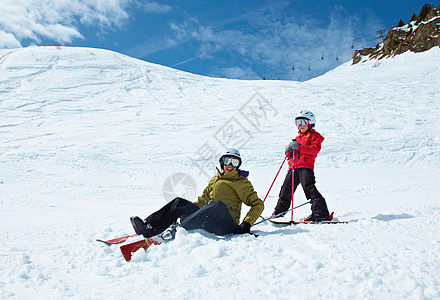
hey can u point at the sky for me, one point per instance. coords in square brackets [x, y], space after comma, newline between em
[249, 39]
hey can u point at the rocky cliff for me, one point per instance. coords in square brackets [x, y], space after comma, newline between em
[418, 35]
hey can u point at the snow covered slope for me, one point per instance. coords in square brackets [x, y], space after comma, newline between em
[90, 137]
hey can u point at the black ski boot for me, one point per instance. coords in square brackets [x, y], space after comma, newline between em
[316, 218]
[141, 227]
[277, 214]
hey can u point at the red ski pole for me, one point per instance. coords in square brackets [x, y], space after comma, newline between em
[293, 189]
[293, 182]
[275, 178]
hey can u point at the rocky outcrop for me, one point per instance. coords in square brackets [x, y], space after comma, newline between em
[417, 36]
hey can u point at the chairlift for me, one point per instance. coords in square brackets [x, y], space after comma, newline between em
[309, 67]
[337, 58]
[322, 57]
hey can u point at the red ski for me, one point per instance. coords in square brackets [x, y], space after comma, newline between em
[116, 240]
[128, 249]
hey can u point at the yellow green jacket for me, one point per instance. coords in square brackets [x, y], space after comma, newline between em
[233, 189]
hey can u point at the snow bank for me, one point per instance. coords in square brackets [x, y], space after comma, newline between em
[88, 138]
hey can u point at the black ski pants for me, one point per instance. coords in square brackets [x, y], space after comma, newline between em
[307, 179]
[214, 217]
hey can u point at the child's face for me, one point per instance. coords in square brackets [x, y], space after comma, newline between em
[303, 124]
[303, 128]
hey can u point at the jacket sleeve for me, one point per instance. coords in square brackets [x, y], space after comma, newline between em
[205, 198]
[315, 145]
[249, 197]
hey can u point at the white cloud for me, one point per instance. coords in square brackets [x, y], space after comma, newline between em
[152, 46]
[237, 73]
[57, 20]
[157, 8]
[8, 40]
[275, 41]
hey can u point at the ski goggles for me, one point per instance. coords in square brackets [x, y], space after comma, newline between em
[302, 122]
[233, 161]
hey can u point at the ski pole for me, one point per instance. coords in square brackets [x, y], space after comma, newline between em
[293, 190]
[282, 213]
[275, 179]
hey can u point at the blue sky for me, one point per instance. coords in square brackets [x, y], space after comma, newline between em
[232, 39]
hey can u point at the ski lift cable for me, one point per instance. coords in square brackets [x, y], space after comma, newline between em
[352, 42]
[297, 64]
[306, 63]
[328, 50]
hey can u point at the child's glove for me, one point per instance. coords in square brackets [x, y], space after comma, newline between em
[293, 145]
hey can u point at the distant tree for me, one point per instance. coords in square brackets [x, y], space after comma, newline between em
[413, 18]
[401, 23]
[424, 12]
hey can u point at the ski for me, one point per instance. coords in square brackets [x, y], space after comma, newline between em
[280, 214]
[330, 220]
[283, 222]
[129, 249]
[116, 240]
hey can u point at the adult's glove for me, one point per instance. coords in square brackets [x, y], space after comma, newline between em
[245, 227]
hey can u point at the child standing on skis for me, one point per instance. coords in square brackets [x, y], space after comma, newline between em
[301, 154]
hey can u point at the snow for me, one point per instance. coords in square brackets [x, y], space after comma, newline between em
[88, 138]
[414, 25]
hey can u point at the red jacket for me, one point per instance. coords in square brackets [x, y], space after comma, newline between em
[309, 147]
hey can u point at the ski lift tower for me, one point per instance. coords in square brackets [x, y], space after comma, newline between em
[381, 33]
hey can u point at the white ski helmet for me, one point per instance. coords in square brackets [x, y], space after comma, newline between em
[231, 152]
[307, 114]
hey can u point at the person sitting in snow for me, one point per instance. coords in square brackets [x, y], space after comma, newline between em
[301, 154]
[217, 210]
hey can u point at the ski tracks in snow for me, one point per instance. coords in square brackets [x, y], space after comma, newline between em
[89, 136]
